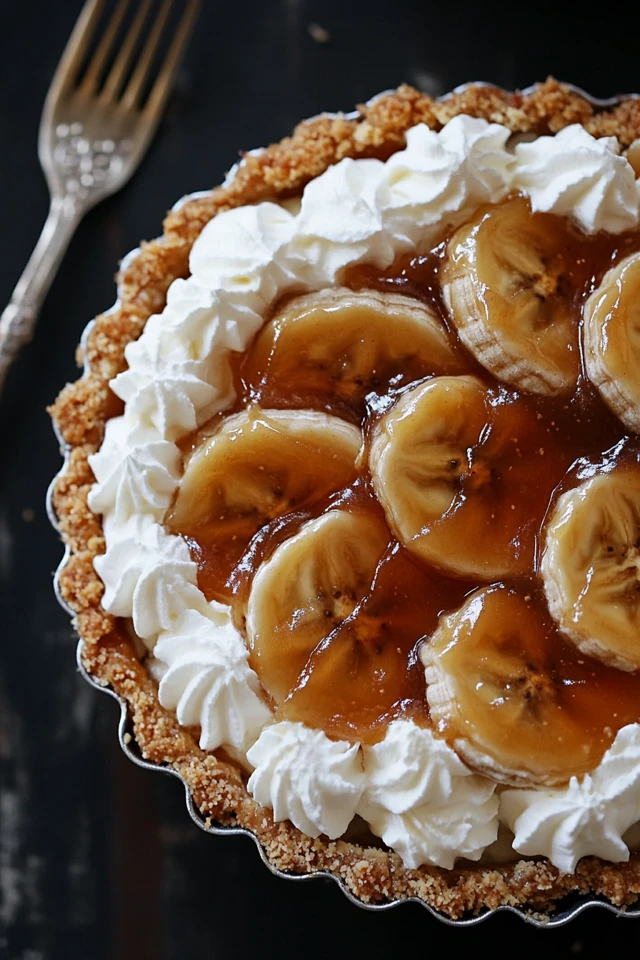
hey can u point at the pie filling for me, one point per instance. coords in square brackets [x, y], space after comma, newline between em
[461, 507]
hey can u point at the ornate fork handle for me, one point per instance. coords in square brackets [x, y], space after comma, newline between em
[93, 132]
[18, 319]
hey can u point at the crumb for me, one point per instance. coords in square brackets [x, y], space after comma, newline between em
[28, 514]
[127, 738]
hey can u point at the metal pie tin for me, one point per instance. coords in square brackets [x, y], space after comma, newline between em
[569, 907]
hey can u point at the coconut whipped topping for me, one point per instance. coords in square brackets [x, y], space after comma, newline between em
[423, 801]
[178, 376]
[574, 175]
[587, 818]
[307, 778]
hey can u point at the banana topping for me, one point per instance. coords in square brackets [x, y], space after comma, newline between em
[506, 284]
[310, 586]
[591, 566]
[448, 465]
[259, 465]
[611, 339]
[513, 700]
[338, 345]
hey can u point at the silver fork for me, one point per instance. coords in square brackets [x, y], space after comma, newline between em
[92, 137]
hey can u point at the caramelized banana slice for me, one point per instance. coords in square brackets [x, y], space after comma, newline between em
[505, 282]
[514, 700]
[611, 339]
[340, 345]
[259, 465]
[311, 584]
[451, 465]
[591, 566]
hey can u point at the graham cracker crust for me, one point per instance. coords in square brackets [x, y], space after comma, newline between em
[371, 874]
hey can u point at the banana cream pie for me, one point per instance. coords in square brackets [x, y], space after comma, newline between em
[353, 498]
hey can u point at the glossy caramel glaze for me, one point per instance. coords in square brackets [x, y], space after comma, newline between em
[366, 670]
[525, 698]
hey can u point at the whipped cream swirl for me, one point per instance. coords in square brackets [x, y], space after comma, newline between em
[178, 376]
[587, 818]
[207, 680]
[134, 479]
[574, 175]
[306, 778]
[423, 801]
[442, 177]
[149, 576]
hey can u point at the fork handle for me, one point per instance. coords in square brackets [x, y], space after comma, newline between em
[18, 319]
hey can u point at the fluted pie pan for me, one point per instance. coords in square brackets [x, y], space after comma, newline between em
[217, 799]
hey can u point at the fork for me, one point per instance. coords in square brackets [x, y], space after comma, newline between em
[93, 133]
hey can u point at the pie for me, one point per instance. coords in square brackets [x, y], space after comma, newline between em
[352, 498]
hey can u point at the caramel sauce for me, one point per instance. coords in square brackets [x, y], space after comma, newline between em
[565, 706]
[367, 671]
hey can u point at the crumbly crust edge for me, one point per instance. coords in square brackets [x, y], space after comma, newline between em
[82, 409]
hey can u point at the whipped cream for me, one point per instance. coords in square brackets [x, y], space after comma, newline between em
[587, 818]
[307, 778]
[423, 801]
[207, 681]
[236, 252]
[134, 479]
[149, 576]
[575, 175]
[442, 177]
[418, 795]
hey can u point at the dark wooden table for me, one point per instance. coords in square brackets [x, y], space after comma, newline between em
[98, 859]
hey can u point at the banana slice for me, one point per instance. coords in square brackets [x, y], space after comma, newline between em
[448, 466]
[340, 345]
[611, 340]
[513, 699]
[310, 585]
[259, 465]
[591, 566]
[505, 282]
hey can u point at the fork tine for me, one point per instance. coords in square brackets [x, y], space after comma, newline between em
[75, 50]
[142, 70]
[91, 78]
[118, 71]
[162, 85]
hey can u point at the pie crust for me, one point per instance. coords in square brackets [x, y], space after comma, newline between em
[372, 875]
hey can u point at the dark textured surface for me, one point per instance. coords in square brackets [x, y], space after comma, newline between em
[98, 859]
